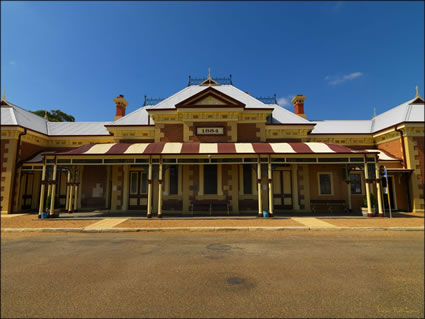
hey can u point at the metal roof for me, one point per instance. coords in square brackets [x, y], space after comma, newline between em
[14, 115]
[137, 117]
[230, 90]
[210, 148]
[77, 128]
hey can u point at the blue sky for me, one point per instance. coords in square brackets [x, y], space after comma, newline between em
[345, 57]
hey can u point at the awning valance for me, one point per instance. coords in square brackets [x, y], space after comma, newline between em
[209, 148]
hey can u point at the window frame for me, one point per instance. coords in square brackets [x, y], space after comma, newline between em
[330, 181]
[361, 183]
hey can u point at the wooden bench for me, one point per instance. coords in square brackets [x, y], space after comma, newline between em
[329, 204]
[209, 204]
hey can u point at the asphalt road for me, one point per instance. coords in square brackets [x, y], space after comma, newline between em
[228, 274]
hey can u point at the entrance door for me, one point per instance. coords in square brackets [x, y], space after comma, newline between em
[138, 196]
[26, 190]
[282, 189]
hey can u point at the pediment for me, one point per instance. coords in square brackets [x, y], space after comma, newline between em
[210, 98]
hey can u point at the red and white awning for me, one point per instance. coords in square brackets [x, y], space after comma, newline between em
[209, 148]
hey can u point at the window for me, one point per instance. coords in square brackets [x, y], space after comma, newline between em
[325, 184]
[210, 179]
[247, 179]
[133, 182]
[135, 179]
[174, 179]
[143, 183]
[356, 183]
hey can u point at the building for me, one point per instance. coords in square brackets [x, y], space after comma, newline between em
[215, 149]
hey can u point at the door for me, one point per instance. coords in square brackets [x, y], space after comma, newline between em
[137, 198]
[282, 189]
[26, 190]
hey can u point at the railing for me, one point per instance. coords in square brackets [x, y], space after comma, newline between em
[222, 80]
[151, 101]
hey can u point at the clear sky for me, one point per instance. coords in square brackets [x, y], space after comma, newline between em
[345, 57]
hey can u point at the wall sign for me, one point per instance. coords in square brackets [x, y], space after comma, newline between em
[210, 131]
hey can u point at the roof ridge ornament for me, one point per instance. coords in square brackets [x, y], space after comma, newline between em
[3, 98]
[209, 81]
[417, 91]
[374, 112]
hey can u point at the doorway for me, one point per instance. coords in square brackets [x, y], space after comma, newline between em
[282, 189]
[138, 194]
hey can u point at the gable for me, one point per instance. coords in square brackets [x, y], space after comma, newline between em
[210, 97]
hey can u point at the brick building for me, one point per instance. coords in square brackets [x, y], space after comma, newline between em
[212, 149]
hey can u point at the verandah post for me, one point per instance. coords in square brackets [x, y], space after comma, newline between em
[366, 174]
[270, 176]
[160, 189]
[149, 208]
[260, 206]
[43, 189]
[53, 194]
[68, 180]
[378, 189]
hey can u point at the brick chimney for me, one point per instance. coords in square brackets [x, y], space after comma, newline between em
[120, 104]
[298, 102]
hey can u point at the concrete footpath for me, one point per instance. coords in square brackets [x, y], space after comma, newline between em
[30, 223]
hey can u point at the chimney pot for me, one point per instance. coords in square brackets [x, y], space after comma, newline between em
[120, 105]
[298, 102]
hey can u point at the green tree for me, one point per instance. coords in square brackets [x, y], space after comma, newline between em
[55, 116]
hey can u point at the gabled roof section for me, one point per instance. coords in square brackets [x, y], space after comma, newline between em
[137, 117]
[210, 97]
[410, 111]
[283, 116]
[229, 90]
[12, 114]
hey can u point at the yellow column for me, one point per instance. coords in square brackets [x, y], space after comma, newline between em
[53, 194]
[366, 175]
[68, 180]
[295, 200]
[43, 188]
[160, 189]
[270, 188]
[125, 189]
[378, 190]
[149, 208]
[260, 204]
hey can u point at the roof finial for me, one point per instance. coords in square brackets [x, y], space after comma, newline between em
[417, 91]
[374, 112]
[3, 98]
[45, 114]
[209, 73]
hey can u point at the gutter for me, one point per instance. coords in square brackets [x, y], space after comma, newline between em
[17, 164]
[402, 144]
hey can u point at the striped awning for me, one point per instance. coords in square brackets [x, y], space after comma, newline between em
[209, 148]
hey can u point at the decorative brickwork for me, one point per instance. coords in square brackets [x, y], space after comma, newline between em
[420, 162]
[172, 133]
[248, 132]
[393, 148]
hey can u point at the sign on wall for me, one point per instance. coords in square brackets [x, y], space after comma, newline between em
[210, 131]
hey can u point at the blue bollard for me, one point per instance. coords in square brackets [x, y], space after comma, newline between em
[265, 213]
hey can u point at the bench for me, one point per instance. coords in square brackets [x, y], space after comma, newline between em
[209, 204]
[329, 204]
